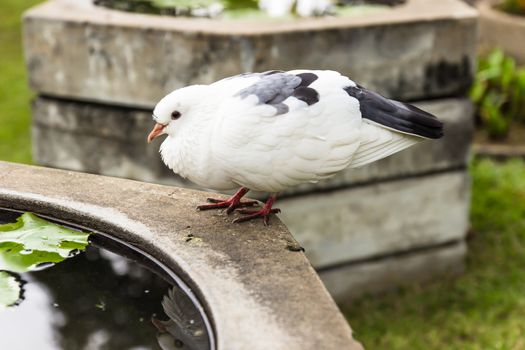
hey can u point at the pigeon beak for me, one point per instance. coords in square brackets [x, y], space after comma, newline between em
[158, 129]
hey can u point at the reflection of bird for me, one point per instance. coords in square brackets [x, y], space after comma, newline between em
[184, 329]
[269, 131]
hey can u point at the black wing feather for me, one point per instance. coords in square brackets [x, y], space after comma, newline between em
[396, 115]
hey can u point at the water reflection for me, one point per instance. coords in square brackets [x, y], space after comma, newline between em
[184, 328]
[108, 297]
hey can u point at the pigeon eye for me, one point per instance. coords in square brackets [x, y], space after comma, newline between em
[175, 115]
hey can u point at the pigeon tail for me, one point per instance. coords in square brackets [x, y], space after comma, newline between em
[395, 115]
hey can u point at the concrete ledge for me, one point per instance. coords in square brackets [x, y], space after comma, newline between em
[111, 141]
[346, 283]
[259, 294]
[424, 49]
[342, 226]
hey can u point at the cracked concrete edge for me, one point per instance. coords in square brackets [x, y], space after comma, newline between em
[258, 293]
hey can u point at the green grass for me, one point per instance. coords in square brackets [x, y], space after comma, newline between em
[485, 308]
[15, 140]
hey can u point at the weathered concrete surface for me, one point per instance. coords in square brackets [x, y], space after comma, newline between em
[97, 139]
[111, 141]
[73, 49]
[346, 283]
[498, 29]
[346, 225]
[259, 294]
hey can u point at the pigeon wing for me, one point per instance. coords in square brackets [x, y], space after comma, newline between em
[274, 87]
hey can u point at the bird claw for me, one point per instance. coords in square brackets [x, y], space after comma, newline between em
[230, 205]
[215, 200]
[256, 214]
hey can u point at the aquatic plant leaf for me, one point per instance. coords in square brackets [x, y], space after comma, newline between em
[32, 241]
[10, 289]
[14, 258]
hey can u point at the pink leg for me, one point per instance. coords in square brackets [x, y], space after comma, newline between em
[264, 213]
[231, 203]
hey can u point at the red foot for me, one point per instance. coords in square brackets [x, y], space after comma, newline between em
[231, 203]
[264, 213]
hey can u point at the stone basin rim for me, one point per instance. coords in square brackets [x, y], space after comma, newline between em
[277, 309]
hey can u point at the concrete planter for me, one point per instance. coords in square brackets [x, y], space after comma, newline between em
[502, 30]
[258, 293]
[99, 72]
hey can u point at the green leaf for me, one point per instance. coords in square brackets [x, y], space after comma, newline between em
[508, 68]
[10, 290]
[32, 241]
[240, 4]
[496, 58]
[478, 91]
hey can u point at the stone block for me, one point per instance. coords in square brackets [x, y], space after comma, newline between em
[98, 139]
[111, 140]
[337, 227]
[348, 282]
[424, 49]
[501, 30]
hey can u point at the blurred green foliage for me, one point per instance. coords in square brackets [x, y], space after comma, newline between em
[482, 310]
[241, 4]
[15, 136]
[516, 7]
[499, 93]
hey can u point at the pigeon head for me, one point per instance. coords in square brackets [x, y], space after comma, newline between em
[176, 108]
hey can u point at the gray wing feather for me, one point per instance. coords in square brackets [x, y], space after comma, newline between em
[272, 89]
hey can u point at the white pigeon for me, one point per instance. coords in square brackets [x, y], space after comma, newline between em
[274, 130]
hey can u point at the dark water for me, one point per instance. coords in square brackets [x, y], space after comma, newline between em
[108, 297]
